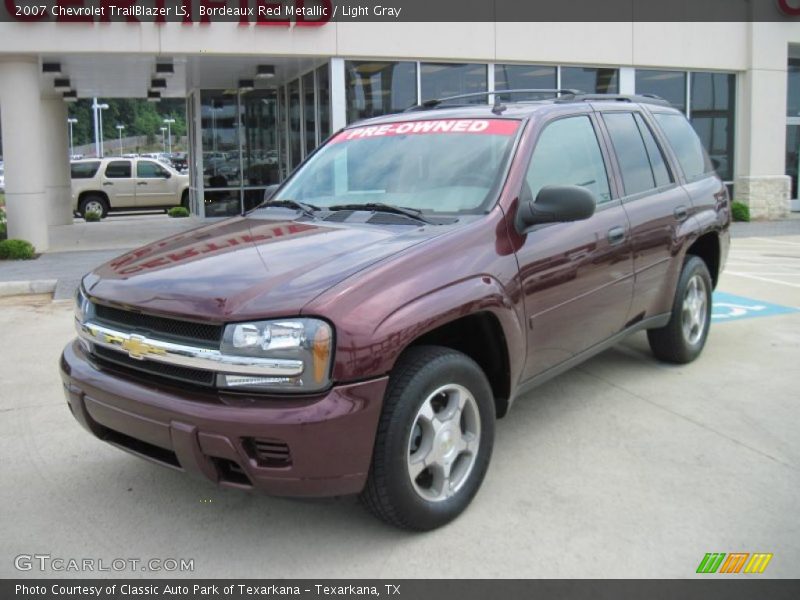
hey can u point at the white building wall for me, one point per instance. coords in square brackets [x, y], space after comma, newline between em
[757, 52]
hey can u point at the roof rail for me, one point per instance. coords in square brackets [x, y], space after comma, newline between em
[640, 98]
[434, 102]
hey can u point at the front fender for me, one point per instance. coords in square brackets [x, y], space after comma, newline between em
[482, 294]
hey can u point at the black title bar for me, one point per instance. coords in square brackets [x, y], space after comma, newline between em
[284, 13]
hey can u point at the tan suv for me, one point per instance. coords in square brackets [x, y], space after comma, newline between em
[108, 184]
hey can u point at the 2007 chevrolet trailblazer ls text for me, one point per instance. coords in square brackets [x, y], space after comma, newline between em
[362, 329]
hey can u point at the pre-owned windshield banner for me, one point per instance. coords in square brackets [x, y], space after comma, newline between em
[315, 13]
[430, 127]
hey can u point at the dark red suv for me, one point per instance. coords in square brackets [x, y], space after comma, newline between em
[360, 331]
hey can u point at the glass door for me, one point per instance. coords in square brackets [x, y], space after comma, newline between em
[793, 158]
[793, 123]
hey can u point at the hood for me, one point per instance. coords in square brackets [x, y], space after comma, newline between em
[246, 268]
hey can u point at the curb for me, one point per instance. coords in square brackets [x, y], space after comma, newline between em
[22, 288]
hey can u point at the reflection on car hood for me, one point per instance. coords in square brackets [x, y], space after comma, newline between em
[246, 268]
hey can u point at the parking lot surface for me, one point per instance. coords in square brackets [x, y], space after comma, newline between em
[622, 467]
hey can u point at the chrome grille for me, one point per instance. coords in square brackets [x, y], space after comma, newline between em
[162, 370]
[207, 333]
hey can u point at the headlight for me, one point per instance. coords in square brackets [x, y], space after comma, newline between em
[83, 311]
[82, 305]
[309, 340]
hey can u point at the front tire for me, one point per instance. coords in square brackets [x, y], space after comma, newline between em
[434, 439]
[683, 338]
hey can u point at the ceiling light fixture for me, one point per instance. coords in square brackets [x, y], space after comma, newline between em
[51, 68]
[165, 69]
[62, 85]
[158, 83]
[265, 71]
[246, 85]
[153, 96]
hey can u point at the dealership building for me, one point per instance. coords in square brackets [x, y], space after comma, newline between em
[260, 99]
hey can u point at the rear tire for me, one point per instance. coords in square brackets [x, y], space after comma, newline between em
[683, 338]
[185, 199]
[434, 439]
[93, 203]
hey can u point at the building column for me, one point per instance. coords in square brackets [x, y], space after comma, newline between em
[57, 183]
[23, 150]
[761, 181]
[338, 95]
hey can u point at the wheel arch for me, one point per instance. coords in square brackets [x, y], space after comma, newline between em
[474, 317]
[100, 193]
[707, 247]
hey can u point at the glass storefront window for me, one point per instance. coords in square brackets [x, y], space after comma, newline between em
[219, 116]
[309, 113]
[590, 80]
[323, 102]
[793, 126]
[283, 145]
[669, 85]
[440, 80]
[793, 156]
[712, 105]
[523, 77]
[259, 142]
[295, 110]
[379, 88]
[793, 93]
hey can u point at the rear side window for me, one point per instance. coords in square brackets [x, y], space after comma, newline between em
[146, 169]
[654, 154]
[637, 176]
[84, 170]
[687, 146]
[118, 169]
[568, 153]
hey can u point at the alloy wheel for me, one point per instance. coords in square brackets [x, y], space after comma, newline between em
[443, 444]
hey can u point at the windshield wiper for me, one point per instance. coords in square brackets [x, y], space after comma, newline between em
[306, 209]
[411, 213]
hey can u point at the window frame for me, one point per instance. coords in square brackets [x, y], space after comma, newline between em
[119, 160]
[666, 152]
[673, 176]
[602, 142]
[677, 167]
[97, 164]
[166, 175]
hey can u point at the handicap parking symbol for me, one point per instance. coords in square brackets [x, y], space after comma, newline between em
[728, 307]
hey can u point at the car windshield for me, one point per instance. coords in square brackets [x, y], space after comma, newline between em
[443, 165]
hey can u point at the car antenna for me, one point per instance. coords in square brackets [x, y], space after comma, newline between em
[499, 108]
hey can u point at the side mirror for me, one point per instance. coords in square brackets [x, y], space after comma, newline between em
[555, 204]
[167, 175]
[270, 190]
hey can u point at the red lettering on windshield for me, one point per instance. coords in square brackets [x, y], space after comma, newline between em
[438, 126]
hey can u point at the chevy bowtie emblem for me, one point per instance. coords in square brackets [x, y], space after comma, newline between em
[137, 348]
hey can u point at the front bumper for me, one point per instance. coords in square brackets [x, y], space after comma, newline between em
[311, 446]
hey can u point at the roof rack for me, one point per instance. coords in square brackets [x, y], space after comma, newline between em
[435, 102]
[640, 98]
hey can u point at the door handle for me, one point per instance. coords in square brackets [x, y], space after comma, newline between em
[108, 183]
[681, 213]
[616, 235]
[141, 183]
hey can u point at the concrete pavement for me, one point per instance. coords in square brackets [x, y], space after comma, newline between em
[623, 467]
